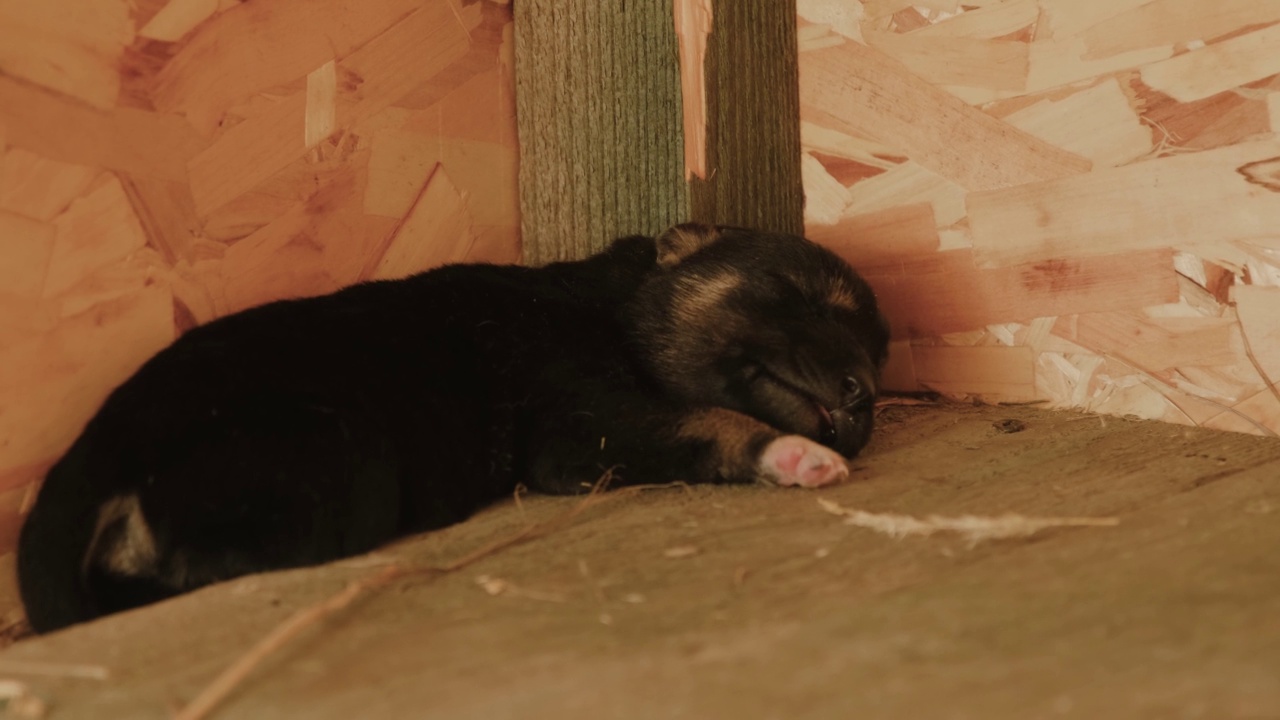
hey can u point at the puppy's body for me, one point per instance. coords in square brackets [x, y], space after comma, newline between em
[307, 430]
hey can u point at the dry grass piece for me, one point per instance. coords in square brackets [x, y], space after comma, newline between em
[53, 669]
[973, 528]
[498, 586]
[682, 551]
[223, 685]
[19, 702]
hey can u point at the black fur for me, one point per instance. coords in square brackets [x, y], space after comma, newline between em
[307, 430]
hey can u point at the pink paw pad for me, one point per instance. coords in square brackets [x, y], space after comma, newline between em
[795, 460]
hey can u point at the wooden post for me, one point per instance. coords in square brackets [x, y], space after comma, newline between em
[598, 108]
[753, 119]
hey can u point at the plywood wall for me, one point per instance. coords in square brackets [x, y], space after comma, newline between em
[1068, 201]
[165, 162]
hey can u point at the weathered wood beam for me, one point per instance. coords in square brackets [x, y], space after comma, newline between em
[599, 112]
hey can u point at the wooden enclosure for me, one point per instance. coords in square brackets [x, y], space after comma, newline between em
[1068, 201]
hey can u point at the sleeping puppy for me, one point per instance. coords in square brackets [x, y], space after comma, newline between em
[307, 430]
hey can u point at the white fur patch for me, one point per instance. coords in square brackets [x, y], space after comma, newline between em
[122, 541]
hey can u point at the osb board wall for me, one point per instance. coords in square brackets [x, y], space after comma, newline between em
[1071, 201]
[166, 162]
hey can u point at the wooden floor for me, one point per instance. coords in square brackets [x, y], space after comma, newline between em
[755, 602]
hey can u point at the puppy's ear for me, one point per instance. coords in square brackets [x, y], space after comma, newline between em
[683, 240]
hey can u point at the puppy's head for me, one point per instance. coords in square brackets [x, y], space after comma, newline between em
[770, 325]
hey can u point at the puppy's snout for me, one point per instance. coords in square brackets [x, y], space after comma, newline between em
[857, 392]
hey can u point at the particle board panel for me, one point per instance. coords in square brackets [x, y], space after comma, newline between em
[1217, 121]
[371, 79]
[317, 246]
[498, 244]
[321, 113]
[846, 172]
[996, 20]
[909, 183]
[436, 231]
[125, 139]
[167, 215]
[882, 8]
[254, 47]
[170, 21]
[1259, 414]
[73, 47]
[489, 26]
[1172, 22]
[1065, 18]
[399, 166]
[1055, 63]
[838, 16]
[25, 251]
[885, 237]
[486, 173]
[1220, 194]
[1153, 344]
[818, 139]
[952, 295]
[825, 197]
[54, 381]
[898, 374]
[997, 374]
[481, 109]
[1259, 312]
[1174, 104]
[1219, 67]
[872, 94]
[1099, 123]
[97, 230]
[40, 188]
[958, 60]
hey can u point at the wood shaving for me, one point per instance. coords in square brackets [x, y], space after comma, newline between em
[972, 528]
[498, 586]
[492, 585]
[681, 551]
[54, 669]
[19, 702]
[229, 680]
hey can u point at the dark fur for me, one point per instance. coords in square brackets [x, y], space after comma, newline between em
[307, 430]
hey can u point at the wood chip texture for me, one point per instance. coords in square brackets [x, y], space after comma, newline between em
[1073, 202]
[165, 163]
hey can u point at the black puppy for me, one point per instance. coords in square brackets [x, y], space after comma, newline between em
[307, 430]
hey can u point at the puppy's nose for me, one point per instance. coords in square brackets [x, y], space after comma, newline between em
[856, 392]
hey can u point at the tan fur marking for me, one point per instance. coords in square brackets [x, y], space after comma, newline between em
[697, 297]
[842, 297]
[732, 433]
[681, 241]
[131, 550]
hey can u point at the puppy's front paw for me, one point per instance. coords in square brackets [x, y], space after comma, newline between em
[795, 460]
